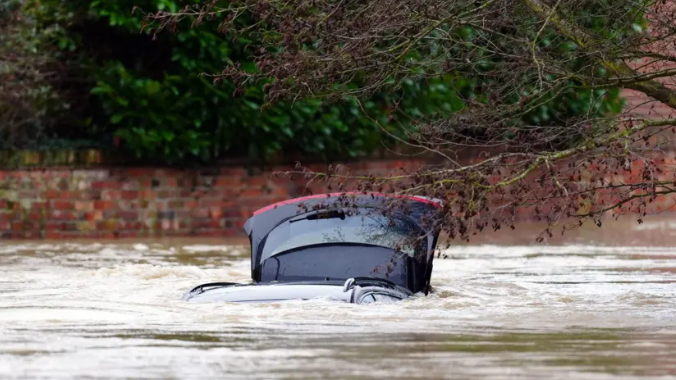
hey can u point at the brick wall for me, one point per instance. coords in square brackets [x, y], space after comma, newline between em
[638, 104]
[63, 203]
[145, 202]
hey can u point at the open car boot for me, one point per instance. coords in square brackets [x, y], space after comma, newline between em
[336, 246]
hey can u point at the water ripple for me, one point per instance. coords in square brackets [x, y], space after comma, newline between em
[114, 311]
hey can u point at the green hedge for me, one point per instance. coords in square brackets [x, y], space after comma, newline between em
[120, 84]
[150, 95]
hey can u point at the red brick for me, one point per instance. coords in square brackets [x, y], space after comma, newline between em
[171, 182]
[129, 194]
[175, 204]
[128, 215]
[175, 233]
[637, 167]
[83, 205]
[34, 216]
[53, 235]
[52, 194]
[60, 174]
[210, 233]
[206, 223]
[191, 204]
[227, 181]
[103, 205]
[71, 194]
[53, 225]
[37, 205]
[258, 181]
[233, 171]
[88, 195]
[200, 213]
[141, 172]
[128, 234]
[61, 205]
[111, 195]
[99, 185]
[17, 226]
[250, 193]
[210, 203]
[164, 194]
[147, 194]
[60, 215]
[94, 215]
[106, 185]
[231, 213]
[144, 182]
[184, 193]
[28, 194]
[30, 234]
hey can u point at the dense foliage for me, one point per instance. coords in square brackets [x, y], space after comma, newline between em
[117, 82]
[149, 92]
[538, 77]
[28, 72]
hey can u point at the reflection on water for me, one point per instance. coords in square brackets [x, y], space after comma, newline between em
[114, 311]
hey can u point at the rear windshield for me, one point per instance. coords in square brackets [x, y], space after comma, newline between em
[365, 229]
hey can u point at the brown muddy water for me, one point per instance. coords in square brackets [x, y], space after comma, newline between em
[99, 310]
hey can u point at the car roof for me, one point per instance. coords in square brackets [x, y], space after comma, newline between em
[427, 200]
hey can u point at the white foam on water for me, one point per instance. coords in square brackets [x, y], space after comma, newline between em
[573, 249]
[211, 248]
[69, 310]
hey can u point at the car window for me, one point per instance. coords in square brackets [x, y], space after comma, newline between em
[366, 229]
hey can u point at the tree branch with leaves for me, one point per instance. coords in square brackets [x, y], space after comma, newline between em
[514, 64]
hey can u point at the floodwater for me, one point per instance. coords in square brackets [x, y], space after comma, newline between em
[76, 311]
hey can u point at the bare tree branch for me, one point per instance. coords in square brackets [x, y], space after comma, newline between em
[513, 65]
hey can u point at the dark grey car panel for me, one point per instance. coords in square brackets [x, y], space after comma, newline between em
[325, 252]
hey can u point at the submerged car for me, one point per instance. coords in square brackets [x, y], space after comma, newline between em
[350, 247]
